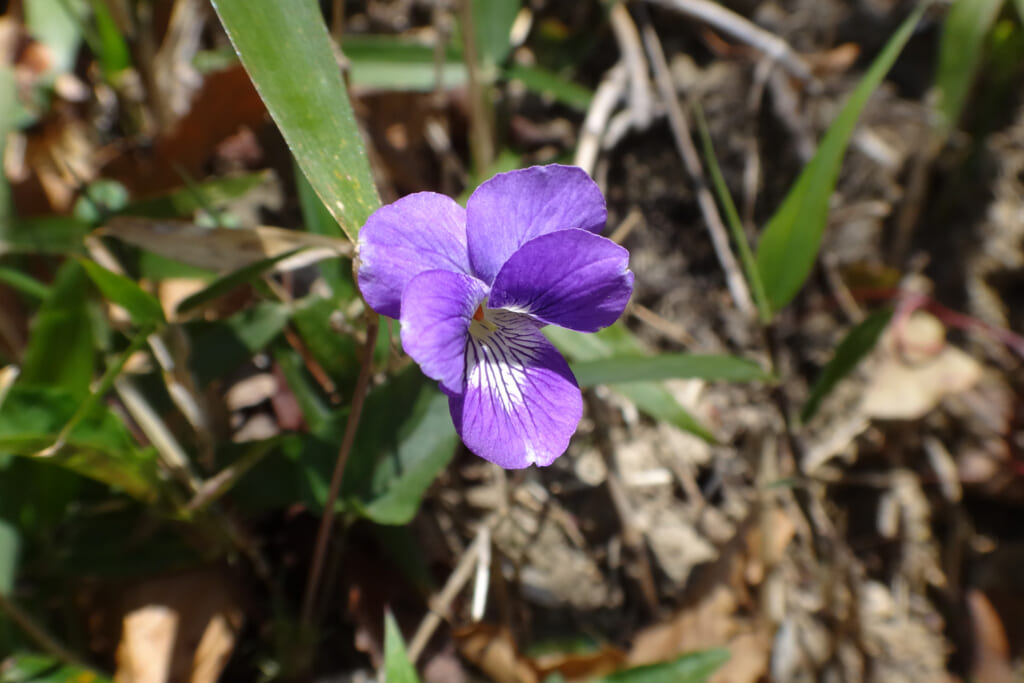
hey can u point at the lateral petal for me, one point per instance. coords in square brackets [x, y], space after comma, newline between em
[437, 310]
[521, 403]
[419, 232]
[570, 278]
[512, 208]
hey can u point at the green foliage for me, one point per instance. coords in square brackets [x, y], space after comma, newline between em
[397, 667]
[393, 63]
[652, 398]
[789, 244]
[30, 668]
[633, 368]
[10, 542]
[960, 53]
[277, 43]
[851, 351]
[60, 350]
[492, 22]
[142, 306]
[694, 667]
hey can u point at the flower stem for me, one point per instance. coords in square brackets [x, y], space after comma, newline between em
[323, 535]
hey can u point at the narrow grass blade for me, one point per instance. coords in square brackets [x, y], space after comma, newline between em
[851, 351]
[143, 307]
[287, 52]
[397, 667]
[632, 368]
[960, 53]
[789, 244]
[693, 667]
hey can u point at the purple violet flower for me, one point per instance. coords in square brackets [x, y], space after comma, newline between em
[472, 287]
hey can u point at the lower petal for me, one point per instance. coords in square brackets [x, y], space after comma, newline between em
[521, 403]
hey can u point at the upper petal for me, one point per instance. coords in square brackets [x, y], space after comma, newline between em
[437, 309]
[419, 232]
[569, 278]
[521, 403]
[512, 208]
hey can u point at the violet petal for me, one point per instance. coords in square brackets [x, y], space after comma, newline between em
[521, 403]
[420, 232]
[437, 309]
[569, 278]
[512, 208]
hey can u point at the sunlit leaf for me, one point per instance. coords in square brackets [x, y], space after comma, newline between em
[634, 368]
[652, 398]
[789, 244]
[397, 667]
[492, 20]
[855, 346]
[394, 63]
[287, 52]
[143, 307]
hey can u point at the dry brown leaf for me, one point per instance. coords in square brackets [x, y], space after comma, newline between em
[492, 649]
[177, 628]
[225, 249]
[916, 370]
[991, 648]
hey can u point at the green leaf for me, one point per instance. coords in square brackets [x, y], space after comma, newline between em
[651, 398]
[394, 63]
[633, 368]
[57, 25]
[694, 667]
[8, 112]
[549, 84]
[30, 668]
[960, 53]
[218, 348]
[143, 307]
[183, 202]
[10, 542]
[26, 284]
[337, 272]
[405, 440]
[855, 346]
[287, 52]
[109, 44]
[48, 235]
[223, 285]
[492, 21]
[789, 244]
[99, 447]
[60, 350]
[397, 667]
[1020, 8]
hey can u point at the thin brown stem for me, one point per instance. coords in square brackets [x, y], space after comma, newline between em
[323, 535]
[37, 633]
[480, 136]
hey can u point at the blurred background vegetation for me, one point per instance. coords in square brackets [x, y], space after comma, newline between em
[800, 455]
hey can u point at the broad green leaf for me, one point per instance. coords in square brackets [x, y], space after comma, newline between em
[694, 667]
[961, 50]
[57, 25]
[183, 202]
[99, 447]
[60, 350]
[549, 84]
[855, 346]
[393, 63]
[652, 398]
[333, 349]
[31, 668]
[397, 667]
[287, 52]
[789, 244]
[405, 440]
[26, 284]
[10, 543]
[219, 348]
[634, 368]
[492, 21]
[143, 307]
[1020, 8]
[223, 285]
